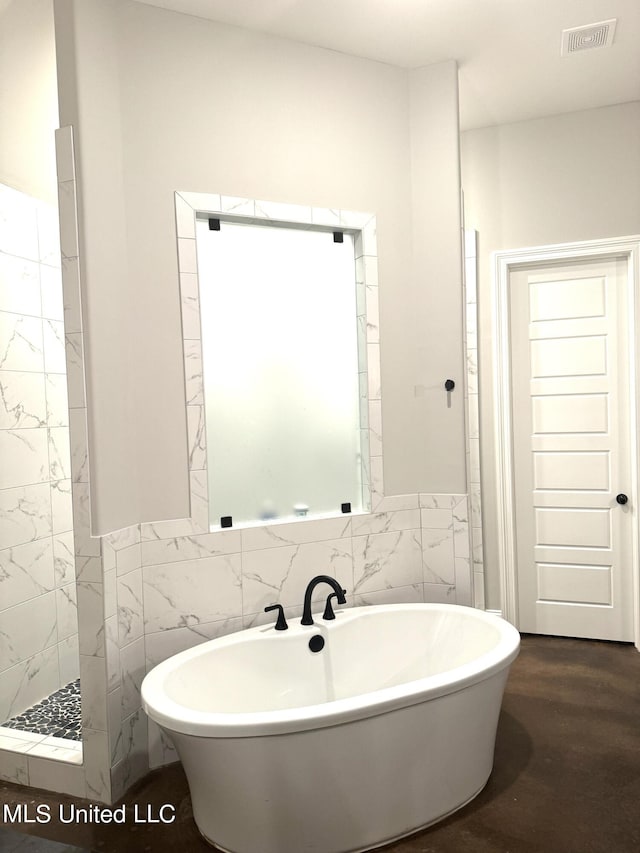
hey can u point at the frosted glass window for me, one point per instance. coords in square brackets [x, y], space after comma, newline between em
[281, 371]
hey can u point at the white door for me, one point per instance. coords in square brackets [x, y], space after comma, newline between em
[570, 397]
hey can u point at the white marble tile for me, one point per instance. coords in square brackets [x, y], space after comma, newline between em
[114, 719]
[472, 318]
[89, 569]
[130, 607]
[233, 204]
[474, 426]
[18, 224]
[437, 556]
[428, 501]
[193, 373]
[57, 402]
[474, 460]
[386, 560]
[16, 744]
[21, 343]
[25, 514]
[90, 618]
[478, 590]
[71, 295]
[281, 575]
[13, 768]
[69, 659]
[385, 522]
[26, 571]
[68, 226]
[461, 546]
[79, 454]
[28, 681]
[109, 590]
[325, 216]
[185, 218]
[55, 776]
[476, 506]
[373, 316]
[24, 457]
[295, 533]
[128, 559]
[472, 372]
[183, 594]
[197, 438]
[19, 286]
[187, 259]
[97, 765]
[22, 400]
[180, 548]
[394, 503]
[30, 737]
[75, 370]
[61, 506]
[355, 218]
[27, 629]
[64, 154]
[135, 764]
[436, 519]
[112, 653]
[124, 538]
[54, 346]
[439, 593]
[205, 202]
[93, 691]
[477, 548]
[51, 293]
[282, 212]
[132, 662]
[161, 645]
[375, 428]
[464, 593]
[190, 301]
[378, 502]
[67, 611]
[394, 595]
[57, 751]
[59, 453]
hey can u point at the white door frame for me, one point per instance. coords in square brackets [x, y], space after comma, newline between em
[502, 264]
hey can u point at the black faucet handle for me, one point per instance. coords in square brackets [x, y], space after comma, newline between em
[328, 609]
[281, 622]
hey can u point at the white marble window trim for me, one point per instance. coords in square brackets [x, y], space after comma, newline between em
[363, 226]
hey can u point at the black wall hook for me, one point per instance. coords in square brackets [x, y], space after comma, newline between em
[449, 384]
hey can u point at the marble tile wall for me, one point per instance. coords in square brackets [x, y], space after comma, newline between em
[38, 609]
[473, 418]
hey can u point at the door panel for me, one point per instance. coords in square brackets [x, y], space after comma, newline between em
[569, 373]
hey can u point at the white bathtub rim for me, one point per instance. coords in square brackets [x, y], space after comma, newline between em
[175, 717]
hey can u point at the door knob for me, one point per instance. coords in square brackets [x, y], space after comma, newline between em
[622, 499]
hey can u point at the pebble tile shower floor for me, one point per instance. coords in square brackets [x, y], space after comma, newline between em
[56, 716]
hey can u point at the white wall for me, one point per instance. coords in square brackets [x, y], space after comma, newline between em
[553, 180]
[164, 102]
[28, 101]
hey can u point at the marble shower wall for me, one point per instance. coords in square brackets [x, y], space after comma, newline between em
[38, 612]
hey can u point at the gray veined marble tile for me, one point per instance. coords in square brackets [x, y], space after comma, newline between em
[110, 592]
[68, 221]
[19, 286]
[161, 749]
[112, 654]
[197, 438]
[25, 514]
[57, 402]
[27, 629]
[436, 519]
[24, 457]
[93, 689]
[124, 538]
[61, 506]
[464, 580]
[393, 503]
[396, 595]
[91, 632]
[295, 533]
[132, 661]
[59, 453]
[74, 349]
[193, 373]
[386, 560]
[161, 645]
[130, 607]
[439, 593]
[21, 343]
[128, 559]
[26, 571]
[69, 659]
[385, 522]
[71, 295]
[114, 722]
[22, 400]
[233, 204]
[28, 681]
[181, 594]
[195, 547]
[96, 760]
[280, 575]
[79, 452]
[67, 611]
[428, 501]
[190, 301]
[438, 556]
[373, 316]
[14, 768]
[65, 167]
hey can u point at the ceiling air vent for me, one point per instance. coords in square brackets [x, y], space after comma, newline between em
[588, 37]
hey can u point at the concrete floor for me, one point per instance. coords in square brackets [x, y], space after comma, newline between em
[566, 776]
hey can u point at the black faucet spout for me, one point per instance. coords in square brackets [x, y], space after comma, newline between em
[313, 583]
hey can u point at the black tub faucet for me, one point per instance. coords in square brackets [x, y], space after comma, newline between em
[313, 583]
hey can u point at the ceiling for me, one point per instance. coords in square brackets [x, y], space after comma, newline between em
[508, 51]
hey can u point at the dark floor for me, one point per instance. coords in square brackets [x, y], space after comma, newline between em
[566, 777]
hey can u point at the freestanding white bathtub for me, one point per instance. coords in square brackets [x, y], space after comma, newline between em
[390, 727]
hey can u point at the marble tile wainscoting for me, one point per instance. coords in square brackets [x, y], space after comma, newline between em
[38, 618]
